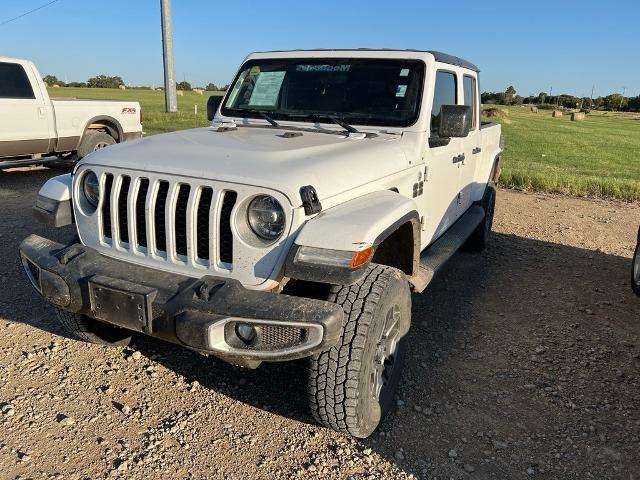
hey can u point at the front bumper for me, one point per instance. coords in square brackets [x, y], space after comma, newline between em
[201, 314]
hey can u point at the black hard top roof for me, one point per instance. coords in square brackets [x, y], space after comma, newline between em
[439, 56]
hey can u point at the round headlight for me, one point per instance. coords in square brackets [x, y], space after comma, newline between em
[266, 217]
[91, 188]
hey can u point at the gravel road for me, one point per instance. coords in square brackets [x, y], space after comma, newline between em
[524, 362]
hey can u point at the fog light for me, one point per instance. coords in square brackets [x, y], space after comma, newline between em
[245, 332]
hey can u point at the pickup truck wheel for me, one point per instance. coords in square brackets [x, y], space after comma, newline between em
[352, 385]
[89, 330]
[93, 141]
[481, 236]
[635, 270]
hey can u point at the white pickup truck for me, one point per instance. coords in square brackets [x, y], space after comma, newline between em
[329, 186]
[33, 126]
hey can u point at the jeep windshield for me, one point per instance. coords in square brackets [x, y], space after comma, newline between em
[358, 91]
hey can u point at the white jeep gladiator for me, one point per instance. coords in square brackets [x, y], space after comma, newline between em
[329, 186]
[33, 126]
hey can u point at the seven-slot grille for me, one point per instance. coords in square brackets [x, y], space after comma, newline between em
[169, 219]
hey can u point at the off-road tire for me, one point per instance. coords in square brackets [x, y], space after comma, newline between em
[635, 270]
[93, 141]
[481, 236]
[89, 330]
[341, 378]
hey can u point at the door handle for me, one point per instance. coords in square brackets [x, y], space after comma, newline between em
[476, 150]
[458, 158]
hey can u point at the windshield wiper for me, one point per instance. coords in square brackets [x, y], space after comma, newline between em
[263, 115]
[337, 121]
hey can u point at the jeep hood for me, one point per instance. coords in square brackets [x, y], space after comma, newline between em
[266, 157]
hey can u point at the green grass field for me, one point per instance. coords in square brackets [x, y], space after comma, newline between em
[597, 157]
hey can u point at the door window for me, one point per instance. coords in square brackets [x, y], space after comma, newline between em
[14, 82]
[470, 97]
[445, 93]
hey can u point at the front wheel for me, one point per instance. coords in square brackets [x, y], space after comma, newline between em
[93, 141]
[352, 385]
[89, 330]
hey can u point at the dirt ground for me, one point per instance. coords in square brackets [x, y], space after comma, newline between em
[524, 362]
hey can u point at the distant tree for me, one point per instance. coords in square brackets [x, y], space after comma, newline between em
[225, 88]
[184, 85]
[212, 87]
[633, 104]
[613, 102]
[518, 100]
[542, 96]
[77, 84]
[52, 80]
[104, 81]
[508, 95]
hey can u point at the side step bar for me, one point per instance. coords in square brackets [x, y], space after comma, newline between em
[436, 255]
[26, 162]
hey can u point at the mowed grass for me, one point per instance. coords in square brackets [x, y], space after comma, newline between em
[156, 120]
[597, 157]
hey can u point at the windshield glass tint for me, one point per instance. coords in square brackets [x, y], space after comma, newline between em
[359, 91]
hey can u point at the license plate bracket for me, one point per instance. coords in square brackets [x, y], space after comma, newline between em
[121, 303]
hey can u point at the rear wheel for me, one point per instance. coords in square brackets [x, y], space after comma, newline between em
[635, 270]
[89, 330]
[481, 236]
[93, 141]
[352, 385]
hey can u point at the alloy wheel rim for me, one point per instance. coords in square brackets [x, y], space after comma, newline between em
[385, 357]
[100, 145]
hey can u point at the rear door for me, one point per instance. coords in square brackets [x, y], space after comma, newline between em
[472, 144]
[440, 200]
[24, 117]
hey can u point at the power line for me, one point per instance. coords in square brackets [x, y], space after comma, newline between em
[29, 12]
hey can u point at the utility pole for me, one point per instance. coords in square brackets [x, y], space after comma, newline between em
[624, 89]
[592, 90]
[170, 96]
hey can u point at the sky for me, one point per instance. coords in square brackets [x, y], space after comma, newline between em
[567, 45]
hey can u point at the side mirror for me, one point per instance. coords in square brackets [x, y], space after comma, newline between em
[455, 121]
[212, 106]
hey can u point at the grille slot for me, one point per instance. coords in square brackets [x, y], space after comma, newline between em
[106, 206]
[180, 221]
[159, 218]
[225, 237]
[123, 221]
[202, 223]
[141, 215]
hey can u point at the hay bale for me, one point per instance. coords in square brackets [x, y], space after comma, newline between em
[534, 109]
[498, 113]
[556, 114]
[122, 87]
[180, 93]
[198, 91]
[55, 85]
[578, 117]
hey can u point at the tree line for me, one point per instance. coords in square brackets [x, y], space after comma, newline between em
[612, 102]
[106, 81]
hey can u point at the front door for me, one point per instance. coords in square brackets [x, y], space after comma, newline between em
[440, 199]
[24, 123]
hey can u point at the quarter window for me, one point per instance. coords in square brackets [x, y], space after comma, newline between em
[445, 93]
[14, 82]
[470, 97]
